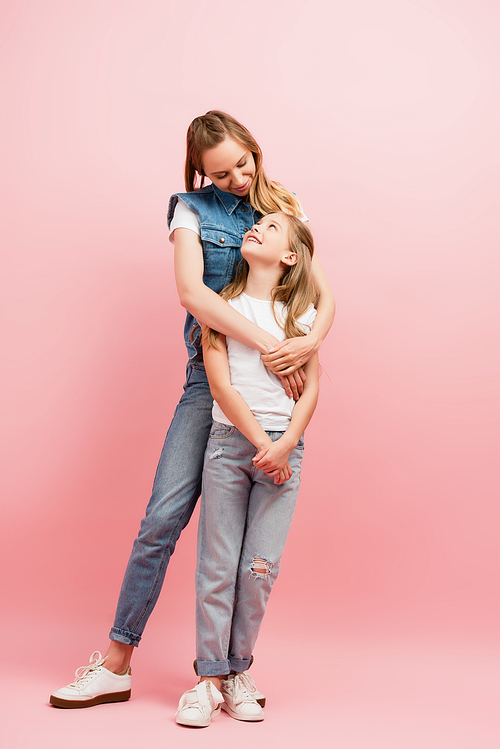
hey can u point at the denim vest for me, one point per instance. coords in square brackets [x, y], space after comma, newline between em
[224, 219]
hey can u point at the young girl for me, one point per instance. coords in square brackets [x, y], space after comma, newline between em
[207, 224]
[251, 472]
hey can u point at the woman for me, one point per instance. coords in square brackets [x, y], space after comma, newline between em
[207, 226]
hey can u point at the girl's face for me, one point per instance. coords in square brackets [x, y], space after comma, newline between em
[268, 242]
[230, 166]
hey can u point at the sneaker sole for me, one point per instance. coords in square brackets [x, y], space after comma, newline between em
[234, 715]
[100, 699]
[197, 723]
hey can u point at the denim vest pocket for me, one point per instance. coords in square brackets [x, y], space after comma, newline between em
[221, 254]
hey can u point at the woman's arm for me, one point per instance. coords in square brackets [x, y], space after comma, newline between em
[209, 308]
[292, 353]
[203, 303]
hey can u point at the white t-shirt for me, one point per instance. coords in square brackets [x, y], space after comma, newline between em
[261, 390]
[184, 218]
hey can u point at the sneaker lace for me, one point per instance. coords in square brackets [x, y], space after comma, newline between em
[243, 685]
[247, 682]
[85, 673]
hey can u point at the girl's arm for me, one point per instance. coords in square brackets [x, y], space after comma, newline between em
[209, 308]
[230, 401]
[270, 459]
[295, 352]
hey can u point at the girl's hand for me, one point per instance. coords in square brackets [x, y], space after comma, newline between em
[286, 357]
[273, 460]
[280, 475]
[284, 475]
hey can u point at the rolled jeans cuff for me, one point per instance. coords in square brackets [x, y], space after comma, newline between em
[240, 665]
[125, 637]
[212, 668]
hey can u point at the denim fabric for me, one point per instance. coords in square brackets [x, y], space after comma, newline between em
[243, 515]
[175, 492]
[224, 218]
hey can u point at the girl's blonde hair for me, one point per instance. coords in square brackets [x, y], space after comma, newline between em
[296, 288]
[214, 127]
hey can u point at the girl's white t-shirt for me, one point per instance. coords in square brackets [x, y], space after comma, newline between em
[261, 390]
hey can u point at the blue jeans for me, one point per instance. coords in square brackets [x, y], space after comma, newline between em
[176, 489]
[244, 524]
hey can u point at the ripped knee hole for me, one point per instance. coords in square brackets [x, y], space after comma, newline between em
[261, 566]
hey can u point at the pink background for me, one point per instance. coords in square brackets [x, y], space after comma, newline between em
[383, 117]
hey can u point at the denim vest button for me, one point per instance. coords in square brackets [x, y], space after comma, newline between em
[246, 228]
[222, 240]
[244, 209]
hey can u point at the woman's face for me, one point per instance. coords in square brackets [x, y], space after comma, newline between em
[230, 166]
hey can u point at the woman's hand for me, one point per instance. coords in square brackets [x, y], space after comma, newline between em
[294, 383]
[286, 357]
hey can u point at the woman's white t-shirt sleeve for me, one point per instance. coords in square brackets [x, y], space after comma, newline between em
[184, 218]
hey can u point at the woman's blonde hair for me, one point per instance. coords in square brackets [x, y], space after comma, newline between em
[296, 288]
[214, 127]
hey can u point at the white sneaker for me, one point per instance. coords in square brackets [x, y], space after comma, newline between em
[198, 706]
[93, 685]
[239, 703]
[251, 687]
